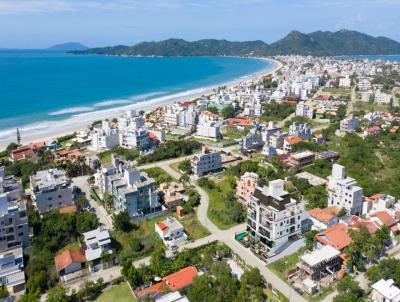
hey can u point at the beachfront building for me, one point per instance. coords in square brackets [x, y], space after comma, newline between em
[206, 162]
[344, 192]
[12, 275]
[132, 131]
[301, 130]
[104, 136]
[274, 218]
[246, 186]
[304, 110]
[132, 191]
[51, 189]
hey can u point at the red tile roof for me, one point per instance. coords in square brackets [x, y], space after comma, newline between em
[377, 196]
[371, 226]
[325, 214]
[162, 226]
[181, 279]
[68, 257]
[154, 289]
[292, 140]
[69, 209]
[385, 218]
[22, 152]
[336, 236]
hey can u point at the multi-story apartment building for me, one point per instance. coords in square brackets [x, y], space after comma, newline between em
[344, 192]
[12, 275]
[14, 230]
[301, 130]
[302, 159]
[104, 137]
[208, 126]
[349, 124]
[206, 162]
[132, 131]
[252, 141]
[302, 109]
[51, 189]
[246, 186]
[133, 191]
[274, 218]
[10, 186]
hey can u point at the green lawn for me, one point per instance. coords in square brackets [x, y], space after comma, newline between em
[120, 292]
[144, 232]
[194, 229]
[217, 211]
[159, 175]
[367, 106]
[336, 90]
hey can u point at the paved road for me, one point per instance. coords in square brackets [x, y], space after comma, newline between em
[104, 218]
[225, 236]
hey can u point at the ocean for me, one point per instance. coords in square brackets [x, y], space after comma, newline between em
[40, 88]
[392, 58]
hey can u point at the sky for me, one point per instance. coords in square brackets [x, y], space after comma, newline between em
[42, 23]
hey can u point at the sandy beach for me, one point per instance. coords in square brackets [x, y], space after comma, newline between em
[48, 130]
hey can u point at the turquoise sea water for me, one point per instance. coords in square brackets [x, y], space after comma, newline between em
[394, 58]
[37, 86]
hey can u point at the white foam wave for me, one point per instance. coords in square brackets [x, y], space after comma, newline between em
[72, 110]
[111, 103]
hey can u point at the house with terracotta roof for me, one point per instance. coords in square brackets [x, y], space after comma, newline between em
[384, 218]
[69, 261]
[28, 152]
[289, 142]
[323, 218]
[173, 282]
[335, 236]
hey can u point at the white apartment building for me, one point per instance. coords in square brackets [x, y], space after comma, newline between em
[10, 186]
[385, 291]
[104, 137]
[208, 126]
[132, 191]
[171, 231]
[274, 218]
[349, 124]
[302, 109]
[364, 84]
[206, 162]
[97, 242]
[345, 82]
[51, 189]
[301, 130]
[132, 131]
[381, 97]
[344, 192]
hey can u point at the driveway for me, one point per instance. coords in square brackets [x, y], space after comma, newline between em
[104, 218]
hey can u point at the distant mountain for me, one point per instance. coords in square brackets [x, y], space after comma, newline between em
[319, 43]
[70, 46]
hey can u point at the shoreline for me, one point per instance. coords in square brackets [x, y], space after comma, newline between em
[48, 130]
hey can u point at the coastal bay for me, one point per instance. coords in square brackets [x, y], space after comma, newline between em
[38, 117]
